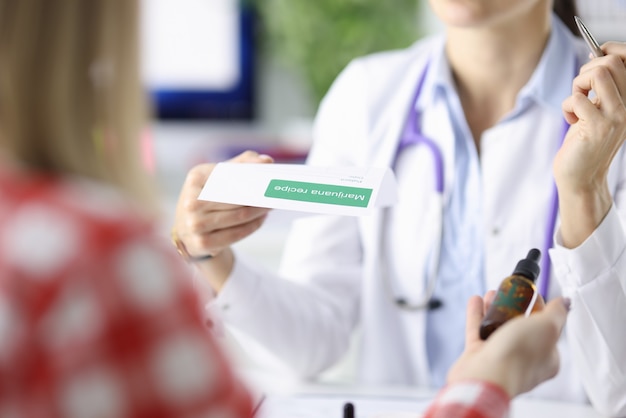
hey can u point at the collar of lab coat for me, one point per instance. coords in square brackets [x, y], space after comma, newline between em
[551, 81]
[393, 115]
[548, 85]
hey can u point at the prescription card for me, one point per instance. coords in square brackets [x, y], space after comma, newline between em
[349, 191]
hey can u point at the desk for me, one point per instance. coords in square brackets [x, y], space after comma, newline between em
[326, 401]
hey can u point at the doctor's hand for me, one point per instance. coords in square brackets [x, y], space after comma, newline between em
[210, 228]
[519, 356]
[597, 131]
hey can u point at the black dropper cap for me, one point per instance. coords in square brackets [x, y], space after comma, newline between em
[529, 267]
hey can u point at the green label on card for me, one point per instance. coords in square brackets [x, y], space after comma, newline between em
[319, 193]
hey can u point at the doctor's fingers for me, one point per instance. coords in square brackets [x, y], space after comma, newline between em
[199, 174]
[190, 204]
[251, 156]
[606, 121]
[592, 140]
[188, 201]
[615, 48]
[214, 236]
[193, 215]
[604, 114]
[599, 79]
[208, 221]
[614, 63]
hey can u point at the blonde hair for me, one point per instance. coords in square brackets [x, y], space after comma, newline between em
[71, 99]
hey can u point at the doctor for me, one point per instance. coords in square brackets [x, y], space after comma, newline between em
[481, 125]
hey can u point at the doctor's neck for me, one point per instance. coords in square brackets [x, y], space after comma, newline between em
[499, 54]
[492, 61]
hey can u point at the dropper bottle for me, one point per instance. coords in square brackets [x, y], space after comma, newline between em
[515, 296]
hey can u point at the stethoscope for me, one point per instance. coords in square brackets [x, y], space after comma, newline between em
[412, 136]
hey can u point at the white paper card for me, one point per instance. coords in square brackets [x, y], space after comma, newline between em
[350, 191]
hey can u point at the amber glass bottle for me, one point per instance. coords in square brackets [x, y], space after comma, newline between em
[515, 296]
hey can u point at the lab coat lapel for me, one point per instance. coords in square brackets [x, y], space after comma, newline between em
[385, 139]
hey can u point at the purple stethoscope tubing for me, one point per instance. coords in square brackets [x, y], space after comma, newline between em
[544, 281]
[412, 135]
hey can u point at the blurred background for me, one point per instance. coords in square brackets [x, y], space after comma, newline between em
[231, 75]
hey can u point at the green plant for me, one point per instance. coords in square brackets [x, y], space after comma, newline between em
[319, 37]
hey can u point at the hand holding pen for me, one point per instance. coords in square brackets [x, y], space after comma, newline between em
[596, 134]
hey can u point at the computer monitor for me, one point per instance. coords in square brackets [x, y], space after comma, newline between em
[198, 58]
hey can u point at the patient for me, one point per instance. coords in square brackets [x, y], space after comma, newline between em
[97, 316]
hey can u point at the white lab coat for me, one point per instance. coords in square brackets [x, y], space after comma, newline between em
[332, 264]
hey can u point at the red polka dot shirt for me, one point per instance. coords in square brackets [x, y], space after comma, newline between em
[97, 314]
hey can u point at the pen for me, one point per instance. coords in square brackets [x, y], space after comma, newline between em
[589, 39]
[348, 410]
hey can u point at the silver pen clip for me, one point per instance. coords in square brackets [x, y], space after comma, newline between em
[589, 39]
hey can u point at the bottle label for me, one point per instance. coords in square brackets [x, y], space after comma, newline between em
[516, 296]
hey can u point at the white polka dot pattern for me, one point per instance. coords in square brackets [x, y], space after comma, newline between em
[75, 317]
[38, 241]
[180, 368]
[144, 276]
[93, 393]
[97, 199]
[98, 318]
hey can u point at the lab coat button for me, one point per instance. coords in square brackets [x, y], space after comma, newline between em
[495, 231]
